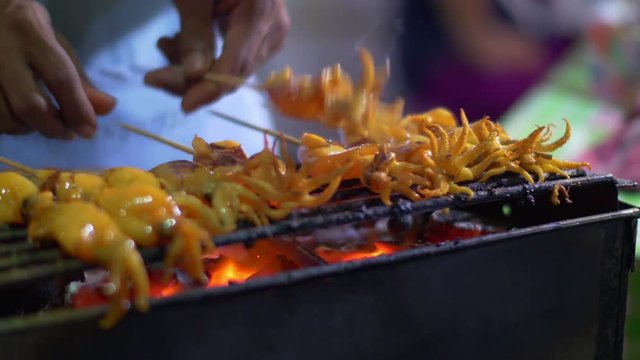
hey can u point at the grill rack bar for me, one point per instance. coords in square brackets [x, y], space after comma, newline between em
[21, 261]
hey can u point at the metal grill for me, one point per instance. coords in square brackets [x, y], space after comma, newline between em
[554, 287]
[22, 261]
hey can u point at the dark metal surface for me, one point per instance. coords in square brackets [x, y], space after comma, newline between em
[555, 288]
[549, 292]
[21, 261]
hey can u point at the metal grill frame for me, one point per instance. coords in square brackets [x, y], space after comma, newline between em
[313, 313]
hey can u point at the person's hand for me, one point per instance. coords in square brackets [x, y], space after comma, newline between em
[480, 37]
[42, 86]
[253, 31]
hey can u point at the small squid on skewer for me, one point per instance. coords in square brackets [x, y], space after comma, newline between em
[283, 184]
[152, 217]
[67, 186]
[532, 153]
[88, 233]
[322, 155]
[14, 189]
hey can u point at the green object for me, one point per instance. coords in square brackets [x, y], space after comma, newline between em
[565, 93]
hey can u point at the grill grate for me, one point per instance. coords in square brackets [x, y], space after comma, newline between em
[22, 261]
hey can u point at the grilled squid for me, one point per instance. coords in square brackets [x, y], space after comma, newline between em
[14, 188]
[67, 186]
[88, 233]
[152, 218]
[127, 176]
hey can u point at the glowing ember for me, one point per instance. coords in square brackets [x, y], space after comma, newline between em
[376, 249]
[455, 225]
[228, 271]
[87, 296]
[161, 287]
[224, 266]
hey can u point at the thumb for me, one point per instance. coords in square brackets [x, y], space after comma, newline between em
[196, 36]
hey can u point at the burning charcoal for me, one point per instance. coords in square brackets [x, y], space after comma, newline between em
[370, 250]
[87, 296]
[451, 225]
[277, 265]
[161, 286]
[225, 271]
[91, 291]
[234, 251]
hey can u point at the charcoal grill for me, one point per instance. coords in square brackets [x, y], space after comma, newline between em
[553, 287]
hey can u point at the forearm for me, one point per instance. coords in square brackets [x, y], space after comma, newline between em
[466, 19]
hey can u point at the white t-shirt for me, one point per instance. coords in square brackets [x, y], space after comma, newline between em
[116, 42]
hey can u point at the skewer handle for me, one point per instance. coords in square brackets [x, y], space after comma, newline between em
[235, 120]
[16, 165]
[232, 80]
[158, 138]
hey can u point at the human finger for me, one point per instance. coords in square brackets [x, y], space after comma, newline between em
[29, 104]
[101, 102]
[9, 124]
[170, 48]
[196, 38]
[256, 29]
[54, 66]
[170, 78]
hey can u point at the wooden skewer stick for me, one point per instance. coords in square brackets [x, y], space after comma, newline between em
[232, 80]
[228, 79]
[16, 165]
[291, 139]
[155, 137]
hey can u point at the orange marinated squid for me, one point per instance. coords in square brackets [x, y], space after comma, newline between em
[484, 127]
[322, 155]
[536, 160]
[452, 161]
[378, 122]
[385, 175]
[363, 116]
[212, 197]
[286, 186]
[558, 191]
[14, 189]
[333, 99]
[438, 116]
[530, 154]
[220, 153]
[68, 186]
[183, 175]
[232, 200]
[127, 176]
[152, 218]
[88, 233]
[305, 97]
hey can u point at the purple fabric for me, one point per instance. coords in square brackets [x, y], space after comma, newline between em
[455, 84]
[620, 154]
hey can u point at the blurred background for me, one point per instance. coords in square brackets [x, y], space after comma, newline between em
[522, 62]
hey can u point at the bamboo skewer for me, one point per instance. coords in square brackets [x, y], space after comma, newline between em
[18, 166]
[238, 81]
[235, 120]
[155, 137]
[232, 80]
[229, 80]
